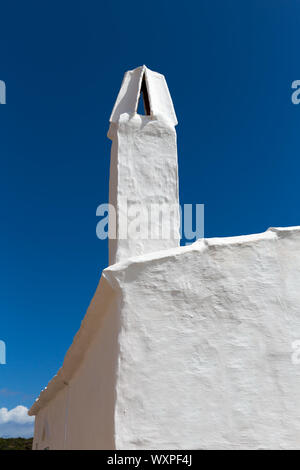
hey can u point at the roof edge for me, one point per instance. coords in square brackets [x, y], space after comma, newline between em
[108, 287]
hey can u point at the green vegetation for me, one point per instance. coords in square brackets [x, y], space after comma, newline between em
[15, 443]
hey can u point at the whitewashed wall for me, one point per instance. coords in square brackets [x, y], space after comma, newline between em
[206, 345]
[188, 347]
[201, 337]
[81, 414]
[143, 169]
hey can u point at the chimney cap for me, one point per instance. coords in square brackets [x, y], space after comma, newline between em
[158, 93]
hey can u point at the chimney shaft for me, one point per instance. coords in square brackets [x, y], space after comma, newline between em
[144, 172]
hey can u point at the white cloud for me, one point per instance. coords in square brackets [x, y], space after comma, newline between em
[16, 422]
[17, 415]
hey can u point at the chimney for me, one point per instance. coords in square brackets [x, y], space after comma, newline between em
[143, 188]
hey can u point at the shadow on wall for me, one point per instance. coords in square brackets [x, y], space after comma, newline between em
[82, 414]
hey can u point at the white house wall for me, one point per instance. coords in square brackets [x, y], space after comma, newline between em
[49, 430]
[81, 415]
[206, 345]
[92, 391]
[185, 347]
[194, 351]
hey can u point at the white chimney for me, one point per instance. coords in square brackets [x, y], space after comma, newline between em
[143, 185]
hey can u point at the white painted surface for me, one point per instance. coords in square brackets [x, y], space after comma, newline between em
[80, 414]
[187, 347]
[205, 342]
[206, 345]
[144, 169]
[144, 173]
[159, 95]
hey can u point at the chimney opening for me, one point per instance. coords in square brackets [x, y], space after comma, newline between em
[144, 104]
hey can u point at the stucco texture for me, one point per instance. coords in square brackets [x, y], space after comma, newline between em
[206, 345]
[186, 347]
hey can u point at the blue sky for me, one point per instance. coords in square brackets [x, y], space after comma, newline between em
[229, 66]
